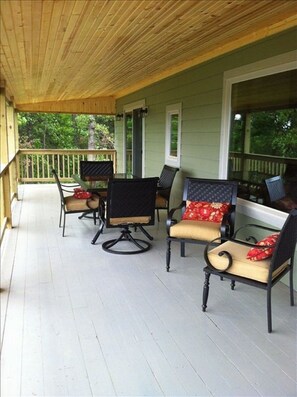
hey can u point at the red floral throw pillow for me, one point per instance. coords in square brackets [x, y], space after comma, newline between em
[205, 211]
[258, 254]
[80, 193]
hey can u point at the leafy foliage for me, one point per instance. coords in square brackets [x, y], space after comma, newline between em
[272, 132]
[64, 131]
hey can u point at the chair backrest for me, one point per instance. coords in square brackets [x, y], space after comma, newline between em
[275, 188]
[286, 243]
[166, 180]
[57, 180]
[96, 169]
[210, 190]
[131, 198]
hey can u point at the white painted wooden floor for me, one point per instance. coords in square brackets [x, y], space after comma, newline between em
[77, 321]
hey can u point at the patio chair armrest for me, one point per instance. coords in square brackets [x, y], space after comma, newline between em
[170, 220]
[209, 246]
[220, 241]
[227, 225]
[255, 227]
[69, 187]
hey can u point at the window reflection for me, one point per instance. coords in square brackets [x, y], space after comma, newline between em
[263, 136]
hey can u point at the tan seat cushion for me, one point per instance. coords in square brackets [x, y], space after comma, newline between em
[130, 220]
[196, 230]
[241, 266]
[74, 204]
[160, 202]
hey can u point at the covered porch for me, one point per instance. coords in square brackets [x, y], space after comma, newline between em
[78, 322]
[75, 320]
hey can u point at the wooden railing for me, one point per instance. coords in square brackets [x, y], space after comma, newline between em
[270, 165]
[8, 191]
[36, 165]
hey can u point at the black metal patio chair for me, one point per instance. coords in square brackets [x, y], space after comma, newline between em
[259, 264]
[130, 204]
[277, 196]
[164, 189]
[96, 170]
[207, 212]
[71, 205]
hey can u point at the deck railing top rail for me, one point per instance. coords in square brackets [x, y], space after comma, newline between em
[35, 165]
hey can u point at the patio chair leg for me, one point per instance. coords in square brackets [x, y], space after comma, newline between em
[145, 232]
[101, 226]
[182, 250]
[205, 291]
[291, 286]
[168, 255]
[60, 217]
[158, 215]
[269, 319]
[64, 221]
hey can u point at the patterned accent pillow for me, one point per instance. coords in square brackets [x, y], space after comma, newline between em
[205, 211]
[258, 254]
[80, 193]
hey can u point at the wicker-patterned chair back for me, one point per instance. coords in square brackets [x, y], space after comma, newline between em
[218, 191]
[96, 169]
[286, 243]
[277, 196]
[130, 203]
[275, 188]
[164, 188]
[167, 177]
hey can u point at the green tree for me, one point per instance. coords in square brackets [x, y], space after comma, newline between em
[64, 131]
[274, 133]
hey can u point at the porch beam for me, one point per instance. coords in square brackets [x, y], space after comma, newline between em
[100, 105]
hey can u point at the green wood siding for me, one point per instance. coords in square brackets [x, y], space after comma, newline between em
[200, 90]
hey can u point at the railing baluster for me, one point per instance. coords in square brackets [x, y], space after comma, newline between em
[35, 165]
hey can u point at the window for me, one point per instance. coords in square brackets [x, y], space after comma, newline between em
[173, 135]
[259, 126]
[263, 133]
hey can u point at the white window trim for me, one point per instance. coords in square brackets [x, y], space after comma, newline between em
[173, 109]
[269, 66]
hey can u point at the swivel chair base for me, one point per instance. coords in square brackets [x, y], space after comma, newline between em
[142, 246]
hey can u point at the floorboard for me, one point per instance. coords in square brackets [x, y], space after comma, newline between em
[78, 321]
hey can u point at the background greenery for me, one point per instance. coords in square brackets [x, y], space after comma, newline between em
[65, 131]
[271, 132]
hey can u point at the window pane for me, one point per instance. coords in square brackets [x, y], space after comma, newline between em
[173, 134]
[263, 136]
[128, 130]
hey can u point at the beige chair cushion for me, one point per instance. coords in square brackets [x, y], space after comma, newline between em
[74, 204]
[255, 270]
[196, 230]
[130, 220]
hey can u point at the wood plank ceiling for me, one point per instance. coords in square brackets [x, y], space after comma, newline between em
[56, 52]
